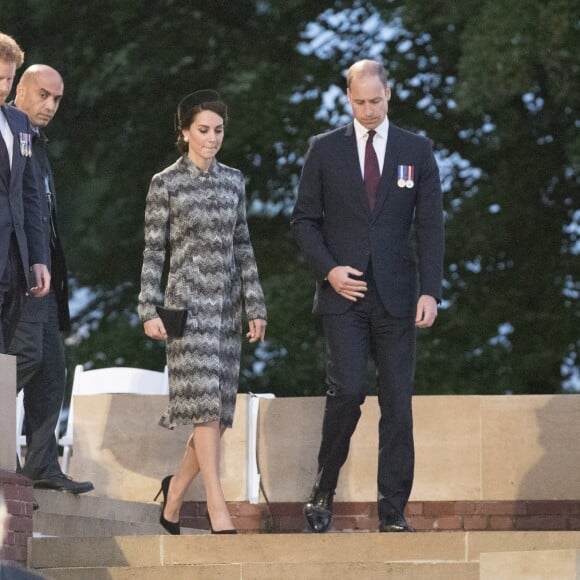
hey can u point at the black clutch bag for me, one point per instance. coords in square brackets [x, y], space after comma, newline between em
[174, 320]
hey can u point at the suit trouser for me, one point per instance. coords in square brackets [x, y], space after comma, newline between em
[41, 372]
[367, 329]
[11, 294]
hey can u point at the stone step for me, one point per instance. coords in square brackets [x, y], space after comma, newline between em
[305, 549]
[67, 515]
[279, 571]
[47, 525]
[539, 564]
[146, 551]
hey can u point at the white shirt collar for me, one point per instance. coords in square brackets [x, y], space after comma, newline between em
[3, 120]
[6, 134]
[361, 131]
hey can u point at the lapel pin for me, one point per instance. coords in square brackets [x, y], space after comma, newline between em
[26, 144]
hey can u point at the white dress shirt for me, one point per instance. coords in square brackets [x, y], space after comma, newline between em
[6, 135]
[379, 143]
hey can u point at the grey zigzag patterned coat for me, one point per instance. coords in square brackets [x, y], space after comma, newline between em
[201, 219]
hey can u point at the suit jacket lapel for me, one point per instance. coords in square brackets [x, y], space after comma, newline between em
[43, 163]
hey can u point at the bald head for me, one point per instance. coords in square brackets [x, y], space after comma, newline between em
[39, 93]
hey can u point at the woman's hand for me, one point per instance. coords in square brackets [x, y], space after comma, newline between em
[155, 329]
[257, 330]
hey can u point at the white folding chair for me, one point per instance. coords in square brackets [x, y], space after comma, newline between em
[252, 467]
[20, 437]
[107, 381]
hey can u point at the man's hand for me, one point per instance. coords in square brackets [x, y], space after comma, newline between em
[426, 311]
[257, 329]
[155, 329]
[41, 280]
[349, 288]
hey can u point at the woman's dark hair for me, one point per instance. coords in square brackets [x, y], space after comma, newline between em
[193, 104]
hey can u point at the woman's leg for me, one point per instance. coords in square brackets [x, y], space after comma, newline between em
[207, 439]
[181, 480]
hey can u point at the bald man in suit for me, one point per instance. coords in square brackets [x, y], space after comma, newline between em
[37, 340]
[363, 188]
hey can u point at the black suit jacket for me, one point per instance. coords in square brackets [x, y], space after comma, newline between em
[36, 309]
[20, 206]
[334, 226]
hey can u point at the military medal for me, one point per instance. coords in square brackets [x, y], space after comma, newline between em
[405, 176]
[26, 144]
[401, 176]
[409, 182]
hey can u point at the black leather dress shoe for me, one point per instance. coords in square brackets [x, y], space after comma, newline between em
[62, 482]
[318, 510]
[394, 523]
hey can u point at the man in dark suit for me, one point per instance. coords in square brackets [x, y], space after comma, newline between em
[22, 247]
[37, 341]
[363, 189]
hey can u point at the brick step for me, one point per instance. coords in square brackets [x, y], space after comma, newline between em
[66, 514]
[499, 515]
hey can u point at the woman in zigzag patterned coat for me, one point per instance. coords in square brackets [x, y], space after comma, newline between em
[196, 211]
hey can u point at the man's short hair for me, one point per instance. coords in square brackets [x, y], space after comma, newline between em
[10, 51]
[367, 68]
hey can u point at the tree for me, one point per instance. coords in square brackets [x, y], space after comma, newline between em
[124, 74]
[492, 83]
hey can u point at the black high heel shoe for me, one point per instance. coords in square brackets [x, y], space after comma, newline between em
[218, 531]
[222, 531]
[171, 527]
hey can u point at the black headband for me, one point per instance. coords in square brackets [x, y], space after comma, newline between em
[194, 99]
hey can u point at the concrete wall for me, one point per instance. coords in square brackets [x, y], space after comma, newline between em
[467, 448]
[120, 447]
[7, 412]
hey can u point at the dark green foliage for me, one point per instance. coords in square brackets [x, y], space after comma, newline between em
[493, 83]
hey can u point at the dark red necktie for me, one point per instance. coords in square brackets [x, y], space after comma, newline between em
[372, 171]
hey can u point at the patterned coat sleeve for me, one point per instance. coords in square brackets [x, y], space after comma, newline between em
[246, 263]
[156, 232]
